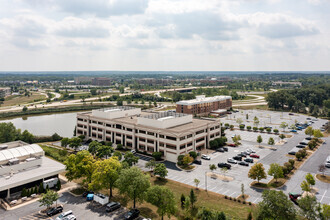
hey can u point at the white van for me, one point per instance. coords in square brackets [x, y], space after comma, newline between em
[64, 214]
[328, 159]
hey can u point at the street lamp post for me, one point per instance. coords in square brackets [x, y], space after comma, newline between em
[205, 181]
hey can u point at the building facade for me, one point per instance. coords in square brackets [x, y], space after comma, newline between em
[203, 105]
[101, 81]
[171, 133]
[4, 92]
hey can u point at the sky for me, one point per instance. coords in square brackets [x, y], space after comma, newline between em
[165, 35]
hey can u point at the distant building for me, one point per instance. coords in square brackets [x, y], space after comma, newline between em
[171, 133]
[101, 81]
[4, 92]
[24, 165]
[280, 83]
[203, 105]
[82, 80]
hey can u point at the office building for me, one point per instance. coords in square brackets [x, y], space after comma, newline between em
[204, 105]
[171, 133]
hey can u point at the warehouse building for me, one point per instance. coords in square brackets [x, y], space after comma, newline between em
[171, 133]
[204, 105]
[24, 165]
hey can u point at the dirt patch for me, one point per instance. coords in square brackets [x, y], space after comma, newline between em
[240, 197]
[220, 177]
[323, 178]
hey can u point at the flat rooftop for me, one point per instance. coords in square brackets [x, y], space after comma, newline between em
[48, 168]
[203, 99]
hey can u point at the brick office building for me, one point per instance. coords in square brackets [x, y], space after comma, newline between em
[171, 133]
[203, 105]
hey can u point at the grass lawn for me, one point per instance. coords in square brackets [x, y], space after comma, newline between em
[21, 99]
[54, 153]
[258, 107]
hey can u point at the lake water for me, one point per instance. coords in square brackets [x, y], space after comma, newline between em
[63, 124]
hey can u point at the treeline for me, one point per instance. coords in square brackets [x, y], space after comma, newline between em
[8, 133]
[314, 100]
[136, 97]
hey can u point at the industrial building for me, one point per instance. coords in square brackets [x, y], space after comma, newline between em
[171, 133]
[24, 165]
[204, 105]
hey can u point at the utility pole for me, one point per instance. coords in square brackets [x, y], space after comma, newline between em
[205, 181]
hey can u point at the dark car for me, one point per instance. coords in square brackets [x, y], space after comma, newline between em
[199, 162]
[301, 146]
[237, 158]
[112, 206]
[241, 155]
[225, 148]
[132, 214]
[87, 192]
[308, 138]
[243, 163]
[249, 160]
[55, 210]
[220, 150]
[222, 165]
[303, 143]
[294, 197]
[291, 114]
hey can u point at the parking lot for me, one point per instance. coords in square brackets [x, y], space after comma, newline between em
[81, 208]
[267, 156]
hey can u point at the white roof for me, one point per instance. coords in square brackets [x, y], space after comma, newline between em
[203, 99]
[19, 152]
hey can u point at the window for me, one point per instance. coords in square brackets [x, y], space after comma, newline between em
[199, 132]
[142, 132]
[161, 136]
[129, 129]
[171, 138]
[189, 135]
[118, 126]
[108, 132]
[80, 119]
[100, 123]
[182, 146]
[150, 133]
[182, 138]
[150, 141]
[129, 137]
[211, 129]
[99, 129]
[217, 126]
[118, 134]
[108, 125]
[189, 144]
[169, 146]
[200, 139]
[161, 144]
[142, 140]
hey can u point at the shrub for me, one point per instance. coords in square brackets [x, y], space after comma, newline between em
[255, 128]
[276, 131]
[291, 161]
[242, 127]
[234, 199]
[193, 154]
[244, 202]
[239, 201]
[157, 155]
[268, 130]
[227, 125]
[261, 129]
[226, 197]
[23, 193]
[250, 203]
[180, 158]
[230, 198]
[120, 147]
[248, 128]
[231, 127]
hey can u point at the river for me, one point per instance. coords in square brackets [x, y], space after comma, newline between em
[63, 124]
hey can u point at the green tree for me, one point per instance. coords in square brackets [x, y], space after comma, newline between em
[309, 131]
[317, 133]
[93, 147]
[160, 170]
[187, 159]
[309, 207]
[133, 183]
[163, 198]
[259, 139]
[75, 142]
[283, 125]
[193, 198]
[275, 205]
[305, 186]
[282, 136]
[106, 173]
[65, 142]
[104, 151]
[130, 158]
[118, 155]
[81, 165]
[24, 109]
[196, 181]
[157, 155]
[310, 179]
[151, 164]
[257, 172]
[8, 132]
[182, 200]
[276, 171]
[93, 92]
[256, 121]
[271, 141]
[48, 198]
[325, 211]
[27, 137]
[212, 167]
[58, 185]
[122, 89]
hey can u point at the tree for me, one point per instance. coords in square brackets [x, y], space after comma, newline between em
[249, 216]
[104, 151]
[106, 173]
[193, 154]
[93, 92]
[24, 109]
[259, 139]
[325, 211]
[239, 121]
[242, 190]
[187, 159]
[182, 200]
[119, 102]
[283, 125]
[309, 207]
[193, 198]
[8, 132]
[276, 171]
[58, 186]
[118, 155]
[157, 155]
[163, 198]
[133, 184]
[196, 181]
[27, 137]
[255, 121]
[317, 133]
[151, 164]
[130, 158]
[271, 141]
[64, 142]
[160, 170]
[309, 131]
[48, 198]
[310, 179]
[93, 147]
[212, 167]
[282, 136]
[75, 142]
[81, 165]
[305, 186]
[257, 172]
[275, 205]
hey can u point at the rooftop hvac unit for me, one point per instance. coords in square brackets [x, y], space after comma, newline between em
[13, 161]
[30, 159]
[3, 147]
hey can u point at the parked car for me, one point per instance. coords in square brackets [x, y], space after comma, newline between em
[133, 151]
[327, 165]
[291, 114]
[206, 157]
[292, 152]
[301, 146]
[237, 158]
[308, 119]
[308, 138]
[220, 149]
[132, 214]
[231, 145]
[70, 217]
[241, 155]
[254, 156]
[222, 165]
[55, 210]
[294, 131]
[199, 162]
[225, 149]
[294, 197]
[249, 160]
[64, 214]
[87, 192]
[231, 160]
[303, 143]
[112, 206]
[250, 150]
[243, 163]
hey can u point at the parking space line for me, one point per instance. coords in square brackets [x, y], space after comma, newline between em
[213, 188]
[255, 200]
[225, 192]
[232, 194]
[323, 195]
